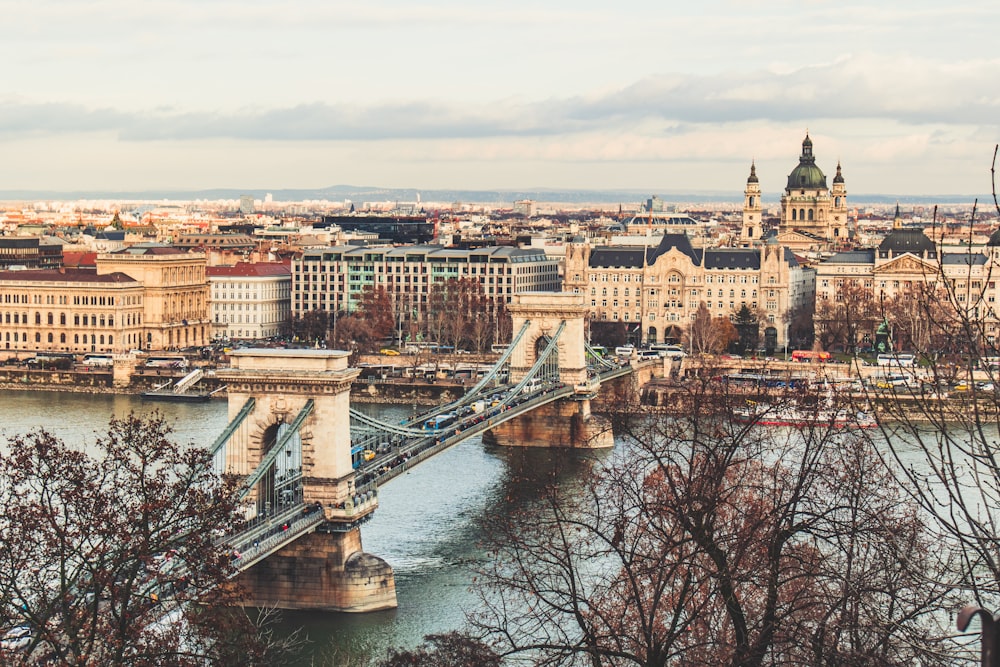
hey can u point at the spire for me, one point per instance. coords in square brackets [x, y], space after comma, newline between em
[839, 178]
[897, 222]
[807, 156]
[753, 172]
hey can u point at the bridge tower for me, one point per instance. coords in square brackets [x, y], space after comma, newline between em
[325, 569]
[565, 423]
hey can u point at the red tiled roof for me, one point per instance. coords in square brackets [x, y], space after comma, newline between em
[79, 259]
[250, 270]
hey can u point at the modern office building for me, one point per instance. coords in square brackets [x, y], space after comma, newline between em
[30, 252]
[334, 279]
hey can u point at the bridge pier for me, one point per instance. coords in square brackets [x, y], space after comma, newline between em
[568, 424]
[322, 571]
[326, 569]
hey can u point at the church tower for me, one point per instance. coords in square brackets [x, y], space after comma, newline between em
[808, 206]
[752, 231]
[838, 209]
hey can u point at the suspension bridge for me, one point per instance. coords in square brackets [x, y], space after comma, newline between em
[310, 465]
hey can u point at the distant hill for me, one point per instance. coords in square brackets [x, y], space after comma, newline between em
[496, 197]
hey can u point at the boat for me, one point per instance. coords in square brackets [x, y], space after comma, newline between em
[791, 414]
[177, 397]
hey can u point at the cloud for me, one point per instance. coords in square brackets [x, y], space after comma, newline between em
[863, 87]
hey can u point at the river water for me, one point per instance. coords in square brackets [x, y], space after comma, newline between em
[427, 527]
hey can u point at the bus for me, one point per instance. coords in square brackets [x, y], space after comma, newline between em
[98, 360]
[439, 422]
[174, 361]
[360, 454]
[901, 359]
[805, 356]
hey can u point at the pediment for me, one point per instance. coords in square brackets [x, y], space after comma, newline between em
[907, 263]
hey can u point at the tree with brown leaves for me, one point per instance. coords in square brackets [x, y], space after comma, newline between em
[112, 556]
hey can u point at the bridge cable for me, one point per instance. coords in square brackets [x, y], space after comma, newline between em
[272, 454]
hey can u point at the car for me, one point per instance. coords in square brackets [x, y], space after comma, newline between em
[389, 352]
[368, 454]
[16, 638]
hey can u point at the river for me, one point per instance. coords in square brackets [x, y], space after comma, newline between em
[427, 527]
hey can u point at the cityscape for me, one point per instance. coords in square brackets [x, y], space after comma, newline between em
[167, 276]
[491, 335]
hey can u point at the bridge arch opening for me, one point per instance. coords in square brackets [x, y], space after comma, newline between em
[281, 485]
[550, 369]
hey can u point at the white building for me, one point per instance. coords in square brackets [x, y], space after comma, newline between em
[249, 300]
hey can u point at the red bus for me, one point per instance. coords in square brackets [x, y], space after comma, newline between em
[805, 356]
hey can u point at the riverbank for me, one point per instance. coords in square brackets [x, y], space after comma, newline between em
[100, 381]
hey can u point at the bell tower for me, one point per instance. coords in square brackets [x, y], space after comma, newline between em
[751, 231]
[838, 208]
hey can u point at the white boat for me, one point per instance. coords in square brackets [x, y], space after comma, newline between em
[791, 414]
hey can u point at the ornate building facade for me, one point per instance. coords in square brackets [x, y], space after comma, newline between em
[907, 261]
[175, 293]
[656, 291]
[70, 311]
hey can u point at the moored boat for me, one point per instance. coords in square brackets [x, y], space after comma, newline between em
[764, 414]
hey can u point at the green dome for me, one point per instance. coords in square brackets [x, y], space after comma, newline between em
[806, 176]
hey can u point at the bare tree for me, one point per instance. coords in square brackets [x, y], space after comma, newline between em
[709, 335]
[115, 559]
[711, 542]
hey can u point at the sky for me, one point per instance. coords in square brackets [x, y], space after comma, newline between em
[655, 96]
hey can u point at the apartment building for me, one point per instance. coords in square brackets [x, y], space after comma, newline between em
[249, 300]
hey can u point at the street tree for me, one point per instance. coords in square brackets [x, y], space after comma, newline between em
[111, 554]
[707, 334]
[844, 320]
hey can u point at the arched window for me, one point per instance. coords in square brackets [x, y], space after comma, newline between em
[51, 318]
[62, 338]
[810, 214]
[76, 339]
[51, 338]
[102, 339]
[38, 337]
[802, 214]
[793, 214]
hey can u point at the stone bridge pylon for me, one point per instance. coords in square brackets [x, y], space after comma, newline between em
[325, 569]
[565, 423]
